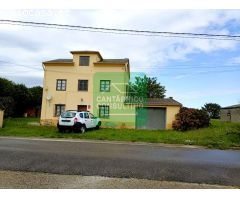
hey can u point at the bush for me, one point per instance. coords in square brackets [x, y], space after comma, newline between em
[190, 118]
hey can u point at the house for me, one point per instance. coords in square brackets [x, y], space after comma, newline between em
[230, 113]
[88, 82]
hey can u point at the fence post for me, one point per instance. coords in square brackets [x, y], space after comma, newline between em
[1, 118]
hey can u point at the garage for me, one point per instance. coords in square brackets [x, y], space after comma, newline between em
[151, 118]
[157, 114]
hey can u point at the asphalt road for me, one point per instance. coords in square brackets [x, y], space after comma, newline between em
[194, 165]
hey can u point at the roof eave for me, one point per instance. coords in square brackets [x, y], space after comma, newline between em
[59, 63]
[164, 105]
[230, 107]
[87, 52]
[104, 63]
[158, 105]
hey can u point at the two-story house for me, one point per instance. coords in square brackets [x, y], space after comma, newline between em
[88, 82]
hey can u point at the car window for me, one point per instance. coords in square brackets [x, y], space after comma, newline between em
[68, 115]
[86, 115]
[81, 115]
[91, 115]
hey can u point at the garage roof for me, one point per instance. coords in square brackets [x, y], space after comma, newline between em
[156, 102]
[163, 102]
[118, 61]
[233, 106]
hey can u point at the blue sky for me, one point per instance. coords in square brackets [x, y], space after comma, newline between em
[194, 71]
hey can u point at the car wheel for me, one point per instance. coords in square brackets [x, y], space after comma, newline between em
[83, 129]
[98, 126]
[60, 130]
[76, 129]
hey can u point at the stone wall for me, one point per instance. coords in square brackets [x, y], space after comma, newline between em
[230, 115]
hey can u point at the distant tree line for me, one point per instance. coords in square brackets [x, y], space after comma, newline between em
[15, 99]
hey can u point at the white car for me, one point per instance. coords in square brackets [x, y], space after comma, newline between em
[77, 121]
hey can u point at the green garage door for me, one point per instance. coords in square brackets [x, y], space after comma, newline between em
[151, 118]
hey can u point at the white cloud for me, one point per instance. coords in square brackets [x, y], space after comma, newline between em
[234, 60]
[143, 51]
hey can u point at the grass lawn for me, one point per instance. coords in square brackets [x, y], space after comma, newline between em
[220, 135]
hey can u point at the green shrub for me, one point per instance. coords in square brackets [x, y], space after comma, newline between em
[190, 118]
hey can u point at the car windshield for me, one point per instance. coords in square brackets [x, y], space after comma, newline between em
[91, 115]
[68, 115]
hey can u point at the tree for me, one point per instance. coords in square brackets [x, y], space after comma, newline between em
[213, 110]
[21, 97]
[36, 95]
[36, 98]
[6, 87]
[15, 99]
[7, 104]
[146, 87]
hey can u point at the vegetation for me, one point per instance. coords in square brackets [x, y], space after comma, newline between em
[7, 104]
[213, 110]
[146, 87]
[221, 135]
[15, 99]
[190, 118]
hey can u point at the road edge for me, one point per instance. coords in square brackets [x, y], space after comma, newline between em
[117, 142]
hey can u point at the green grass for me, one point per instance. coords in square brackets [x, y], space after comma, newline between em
[220, 135]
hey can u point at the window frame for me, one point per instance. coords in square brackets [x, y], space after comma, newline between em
[61, 86]
[56, 110]
[80, 64]
[80, 84]
[104, 107]
[105, 85]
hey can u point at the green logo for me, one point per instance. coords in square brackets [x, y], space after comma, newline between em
[116, 101]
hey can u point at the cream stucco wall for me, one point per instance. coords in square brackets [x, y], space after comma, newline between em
[170, 115]
[71, 97]
[1, 118]
[72, 72]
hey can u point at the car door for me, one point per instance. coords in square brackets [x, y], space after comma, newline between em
[87, 120]
[93, 120]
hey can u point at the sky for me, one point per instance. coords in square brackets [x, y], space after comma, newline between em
[194, 71]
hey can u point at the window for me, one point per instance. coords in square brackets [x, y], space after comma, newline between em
[104, 111]
[68, 114]
[84, 61]
[91, 116]
[61, 84]
[59, 109]
[105, 86]
[82, 85]
[81, 115]
[86, 115]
